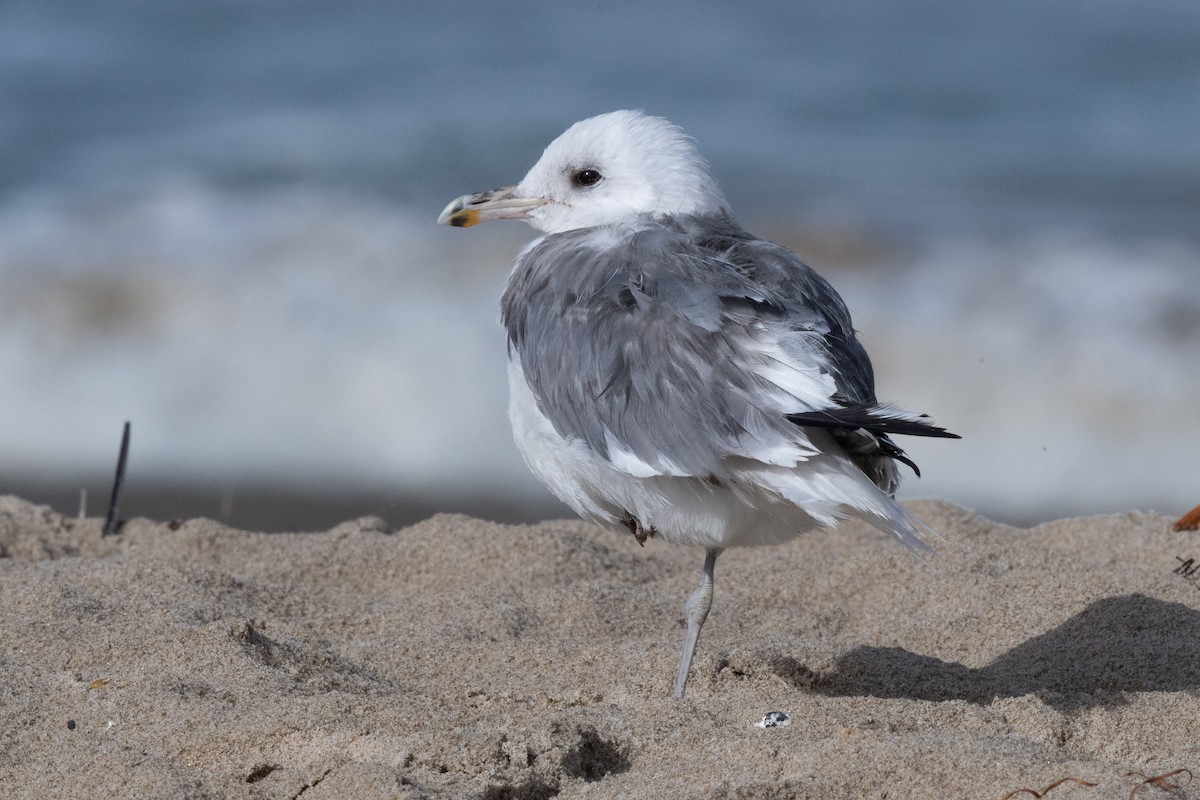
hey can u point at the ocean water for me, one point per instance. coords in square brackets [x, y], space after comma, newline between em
[217, 221]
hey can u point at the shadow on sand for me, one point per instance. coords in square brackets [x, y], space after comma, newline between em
[1117, 645]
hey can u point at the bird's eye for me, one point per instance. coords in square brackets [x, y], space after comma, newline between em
[587, 177]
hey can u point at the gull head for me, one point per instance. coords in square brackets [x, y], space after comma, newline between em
[602, 170]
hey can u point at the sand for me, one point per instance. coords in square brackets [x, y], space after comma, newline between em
[461, 658]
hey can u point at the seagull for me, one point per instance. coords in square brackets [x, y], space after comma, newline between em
[674, 376]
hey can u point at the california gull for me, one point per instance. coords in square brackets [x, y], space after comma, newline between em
[672, 375]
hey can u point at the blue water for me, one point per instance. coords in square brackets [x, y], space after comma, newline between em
[216, 218]
[933, 115]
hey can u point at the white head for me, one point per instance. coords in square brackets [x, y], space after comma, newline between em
[602, 170]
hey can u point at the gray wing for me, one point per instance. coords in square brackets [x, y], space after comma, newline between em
[674, 347]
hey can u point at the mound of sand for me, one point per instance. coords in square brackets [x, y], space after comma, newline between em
[461, 658]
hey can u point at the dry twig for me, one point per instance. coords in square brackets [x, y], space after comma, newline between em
[111, 523]
[1159, 781]
[1043, 792]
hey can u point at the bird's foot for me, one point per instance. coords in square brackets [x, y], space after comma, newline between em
[639, 533]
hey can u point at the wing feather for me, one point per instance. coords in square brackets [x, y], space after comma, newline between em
[674, 345]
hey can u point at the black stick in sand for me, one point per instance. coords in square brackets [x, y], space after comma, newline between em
[111, 523]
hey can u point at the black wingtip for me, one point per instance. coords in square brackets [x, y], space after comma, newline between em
[889, 449]
[871, 418]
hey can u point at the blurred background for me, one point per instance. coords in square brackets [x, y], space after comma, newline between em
[217, 222]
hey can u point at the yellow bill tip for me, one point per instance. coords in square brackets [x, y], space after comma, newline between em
[458, 215]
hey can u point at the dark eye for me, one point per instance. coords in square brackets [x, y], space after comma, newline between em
[587, 177]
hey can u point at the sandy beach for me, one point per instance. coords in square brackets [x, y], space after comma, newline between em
[462, 658]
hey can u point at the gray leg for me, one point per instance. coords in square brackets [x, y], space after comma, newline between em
[696, 610]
